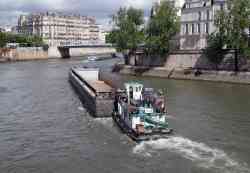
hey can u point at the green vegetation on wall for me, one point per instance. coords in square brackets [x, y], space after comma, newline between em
[23, 40]
[231, 24]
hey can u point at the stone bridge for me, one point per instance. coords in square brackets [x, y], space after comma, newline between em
[69, 51]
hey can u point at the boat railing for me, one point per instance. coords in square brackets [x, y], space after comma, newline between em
[148, 115]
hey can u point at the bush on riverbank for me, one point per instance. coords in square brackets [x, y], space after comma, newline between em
[22, 40]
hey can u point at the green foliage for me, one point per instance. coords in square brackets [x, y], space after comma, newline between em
[3, 39]
[238, 21]
[23, 40]
[127, 33]
[214, 50]
[162, 27]
[232, 24]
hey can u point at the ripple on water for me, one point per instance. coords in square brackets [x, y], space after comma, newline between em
[3, 89]
[107, 122]
[199, 153]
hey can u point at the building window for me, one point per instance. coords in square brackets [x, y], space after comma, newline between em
[199, 17]
[193, 30]
[186, 29]
[207, 28]
[199, 28]
[221, 6]
[208, 15]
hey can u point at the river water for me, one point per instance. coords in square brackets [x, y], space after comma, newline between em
[45, 129]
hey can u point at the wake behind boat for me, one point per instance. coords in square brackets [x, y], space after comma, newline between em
[141, 112]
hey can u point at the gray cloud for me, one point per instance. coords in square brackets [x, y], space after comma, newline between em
[102, 9]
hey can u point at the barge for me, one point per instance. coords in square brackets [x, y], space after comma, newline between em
[141, 113]
[95, 94]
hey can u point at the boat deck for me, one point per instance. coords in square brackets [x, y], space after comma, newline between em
[100, 86]
[90, 77]
[96, 95]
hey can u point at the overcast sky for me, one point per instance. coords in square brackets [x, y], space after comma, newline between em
[101, 9]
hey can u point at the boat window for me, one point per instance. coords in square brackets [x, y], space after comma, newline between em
[131, 92]
[136, 89]
[130, 88]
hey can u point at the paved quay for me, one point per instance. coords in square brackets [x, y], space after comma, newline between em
[212, 76]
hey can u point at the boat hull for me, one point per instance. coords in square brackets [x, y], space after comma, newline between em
[142, 137]
[97, 106]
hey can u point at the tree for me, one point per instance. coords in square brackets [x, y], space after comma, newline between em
[3, 39]
[162, 27]
[218, 40]
[23, 40]
[231, 28]
[127, 33]
[214, 50]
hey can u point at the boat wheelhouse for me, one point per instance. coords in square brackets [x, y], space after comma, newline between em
[141, 112]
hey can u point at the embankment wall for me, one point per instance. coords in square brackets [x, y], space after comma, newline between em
[74, 52]
[54, 52]
[22, 54]
[207, 75]
[180, 60]
[184, 59]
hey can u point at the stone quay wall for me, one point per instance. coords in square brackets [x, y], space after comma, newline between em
[180, 60]
[207, 75]
[84, 51]
[74, 52]
[186, 59]
[23, 53]
[183, 65]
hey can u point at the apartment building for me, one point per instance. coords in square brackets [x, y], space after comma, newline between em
[60, 29]
[176, 3]
[197, 22]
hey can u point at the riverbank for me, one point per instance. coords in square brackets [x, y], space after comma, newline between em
[23, 54]
[211, 76]
[39, 53]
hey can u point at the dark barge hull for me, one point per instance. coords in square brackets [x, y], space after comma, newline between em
[97, 107]
[134, 136]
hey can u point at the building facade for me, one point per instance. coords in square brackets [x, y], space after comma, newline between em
[103, 32]
[59, 29]
[197, 22]
[176, 3]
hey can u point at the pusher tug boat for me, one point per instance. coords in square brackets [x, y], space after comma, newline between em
[141, 112]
